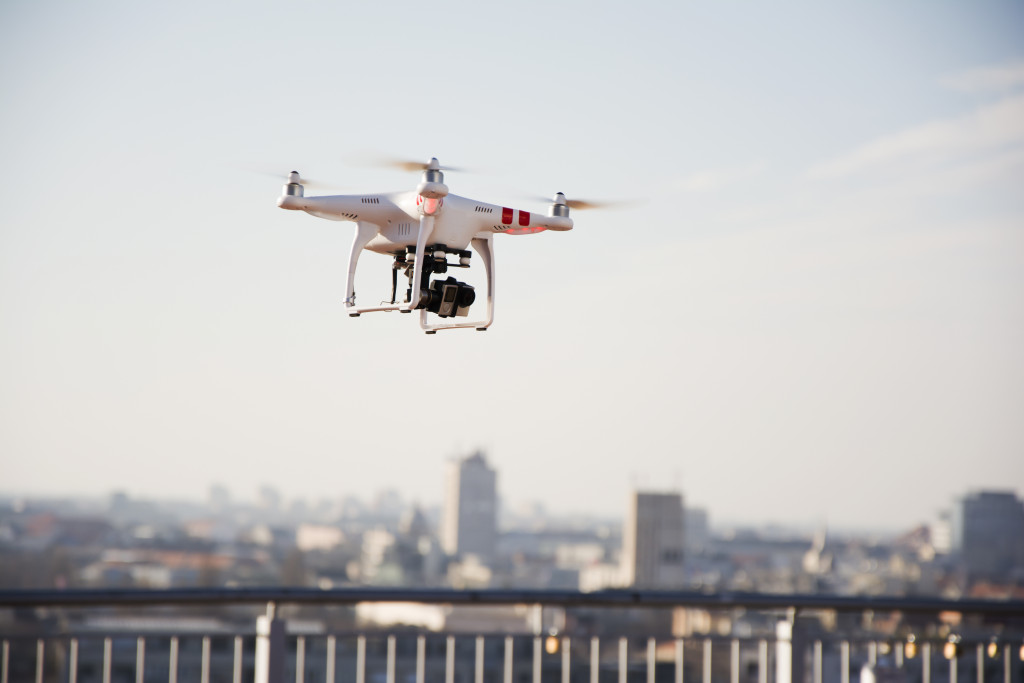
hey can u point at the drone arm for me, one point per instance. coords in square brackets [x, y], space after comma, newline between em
[516, 222]
[364, 233]
[426, 228]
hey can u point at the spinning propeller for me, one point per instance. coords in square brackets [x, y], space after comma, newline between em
[409, 165]
[294, 177]
[580, 204]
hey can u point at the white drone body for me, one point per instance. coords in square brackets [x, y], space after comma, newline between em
[421, 229]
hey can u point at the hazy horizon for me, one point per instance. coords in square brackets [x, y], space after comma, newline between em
[511, 507]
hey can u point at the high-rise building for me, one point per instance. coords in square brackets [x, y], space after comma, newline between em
[652, 541]
[988, 533]
[470, 522]
[696, 531]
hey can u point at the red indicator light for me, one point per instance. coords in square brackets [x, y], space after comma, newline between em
[430, 206]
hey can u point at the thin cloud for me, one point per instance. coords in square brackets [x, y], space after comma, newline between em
[712, 180]
[994, 128]
[1000, 78]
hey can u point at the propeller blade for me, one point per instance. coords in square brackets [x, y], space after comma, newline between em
[586, 204]
[307, 182]
[411, 165]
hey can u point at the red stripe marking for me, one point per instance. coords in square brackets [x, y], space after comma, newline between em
[506, 216]
[524, 218]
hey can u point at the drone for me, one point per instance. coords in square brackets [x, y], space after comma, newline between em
[422, 230]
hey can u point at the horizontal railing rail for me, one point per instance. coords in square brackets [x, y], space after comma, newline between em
[554, 598]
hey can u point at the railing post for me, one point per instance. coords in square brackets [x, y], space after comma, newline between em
[784, 652]
[389, 671]
[679, 661]
[762, 661]
[651, 659]
[536, 659]
[508, 660]
[817, 662]
[361, 659]
[707, 661]
[449, 660]
[478, 668]
[108, 655]
[172, 665]
[236, 668]
[734, 661]
[73, 661]
[790, 649]
[204, 673]
[332, 644]
[421, 659]
[566, 659]
[623, 659]
[40, 651]
[140, 660]
[270, 647]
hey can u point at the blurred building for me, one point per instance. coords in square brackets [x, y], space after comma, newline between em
[219, 498]
[318, 537]
[941, 534]
[988, 534]
[652, 541]
[470, 522]
[697, 530]
[269, 499]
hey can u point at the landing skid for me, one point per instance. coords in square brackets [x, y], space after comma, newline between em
[483, 245]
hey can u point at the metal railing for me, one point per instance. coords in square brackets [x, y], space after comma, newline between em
[987, 649]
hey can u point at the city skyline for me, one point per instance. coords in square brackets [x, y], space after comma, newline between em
[810, 310]
[510, 508]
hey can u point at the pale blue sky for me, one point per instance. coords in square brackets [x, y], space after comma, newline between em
[815, 313]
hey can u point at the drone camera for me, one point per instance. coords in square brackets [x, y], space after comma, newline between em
[445, 298]
[449, 298]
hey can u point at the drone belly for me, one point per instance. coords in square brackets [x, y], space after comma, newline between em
[453, 234]
[395, 236]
